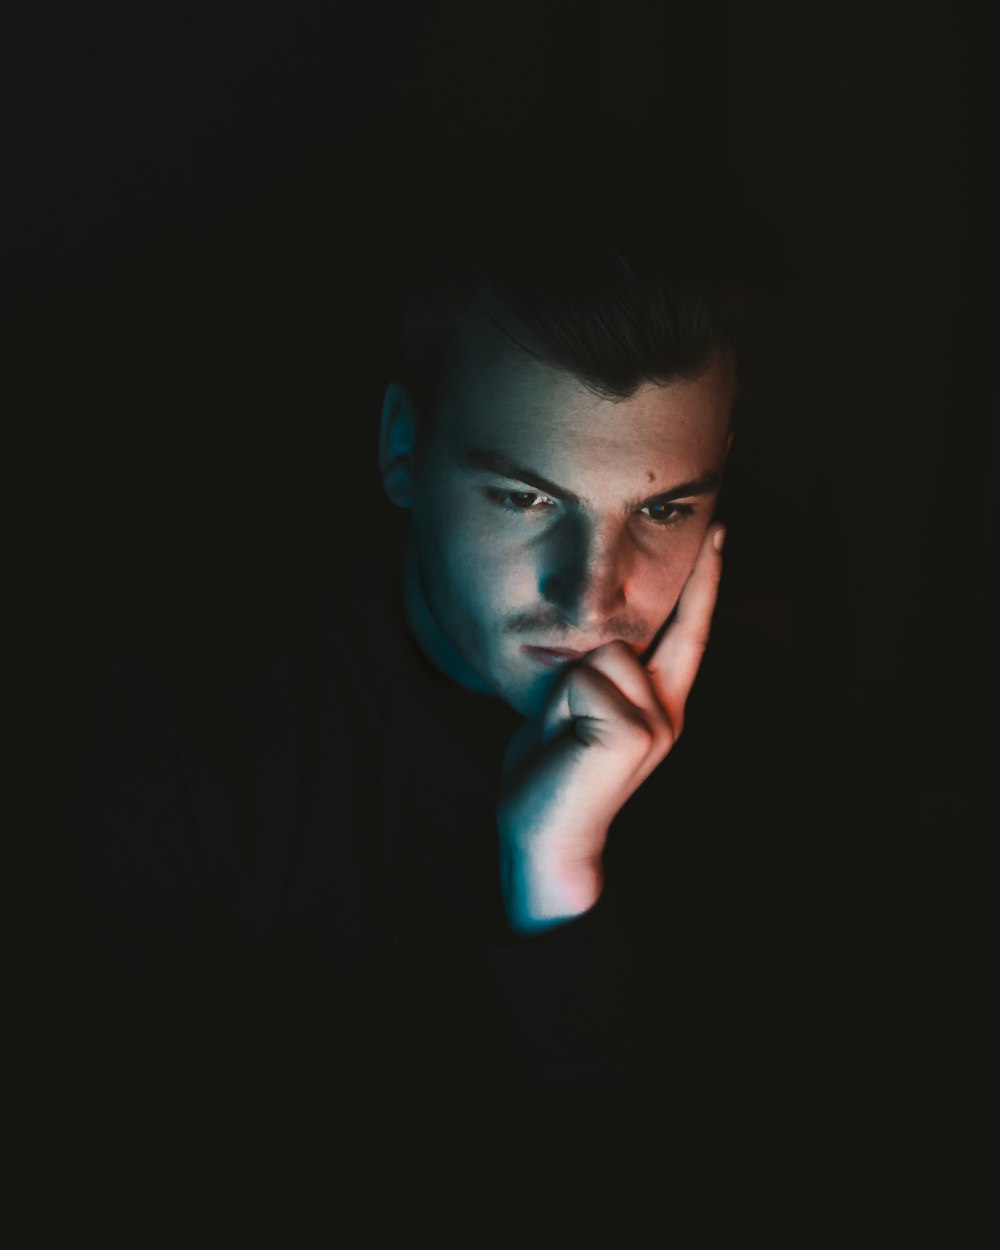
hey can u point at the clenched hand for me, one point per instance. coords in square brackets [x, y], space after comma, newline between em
[609, 722]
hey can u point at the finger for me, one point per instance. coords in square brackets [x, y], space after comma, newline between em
[620, 664]
[674, 664]
[592, 705]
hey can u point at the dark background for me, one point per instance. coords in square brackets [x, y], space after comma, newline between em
[204, 215]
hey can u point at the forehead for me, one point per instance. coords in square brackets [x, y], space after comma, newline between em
[500, 397]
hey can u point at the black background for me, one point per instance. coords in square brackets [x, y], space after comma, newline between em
[205, 210]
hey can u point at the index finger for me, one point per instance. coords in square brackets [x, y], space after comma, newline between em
[674, 664]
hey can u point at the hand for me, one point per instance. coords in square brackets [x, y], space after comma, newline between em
[609, 723]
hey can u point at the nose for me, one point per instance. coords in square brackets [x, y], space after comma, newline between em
[586, 573]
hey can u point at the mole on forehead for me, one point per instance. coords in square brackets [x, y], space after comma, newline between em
[650, 476]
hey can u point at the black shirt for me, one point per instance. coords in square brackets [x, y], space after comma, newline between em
[299, 870]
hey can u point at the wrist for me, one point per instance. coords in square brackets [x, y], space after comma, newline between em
[543, 891]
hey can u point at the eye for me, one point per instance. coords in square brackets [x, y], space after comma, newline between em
[522, 500]
[667, 513]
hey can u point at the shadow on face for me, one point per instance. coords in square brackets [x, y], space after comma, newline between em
[547, 516]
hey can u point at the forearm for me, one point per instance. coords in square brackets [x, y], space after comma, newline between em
[542, 889]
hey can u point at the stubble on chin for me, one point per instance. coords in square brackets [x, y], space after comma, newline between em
[525, 692]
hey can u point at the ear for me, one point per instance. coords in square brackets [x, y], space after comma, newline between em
[396, 442]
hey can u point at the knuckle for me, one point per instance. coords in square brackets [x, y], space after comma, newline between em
[616, 649]
[639, 735]
[581, 677]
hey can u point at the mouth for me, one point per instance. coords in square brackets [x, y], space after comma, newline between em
[552, 657]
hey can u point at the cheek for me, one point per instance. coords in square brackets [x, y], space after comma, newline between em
[480, 567]
[664, 573]
[503, 577]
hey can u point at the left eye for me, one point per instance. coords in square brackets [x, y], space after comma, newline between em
[667, 513]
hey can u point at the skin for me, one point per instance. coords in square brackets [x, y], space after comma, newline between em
[495, 563]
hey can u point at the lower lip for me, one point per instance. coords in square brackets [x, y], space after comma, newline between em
[551, 659]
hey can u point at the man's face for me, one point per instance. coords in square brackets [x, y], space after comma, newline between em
[547, 517]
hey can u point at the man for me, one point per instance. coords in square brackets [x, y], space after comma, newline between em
[555, 530]
[408, 847]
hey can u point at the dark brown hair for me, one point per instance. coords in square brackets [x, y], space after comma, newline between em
[621, 260]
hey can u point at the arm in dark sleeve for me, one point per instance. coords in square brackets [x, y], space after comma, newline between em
[570, 993]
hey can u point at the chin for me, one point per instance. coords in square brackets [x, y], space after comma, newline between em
[528, 698]
[526, 706]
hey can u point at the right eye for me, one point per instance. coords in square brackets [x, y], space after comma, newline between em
[521, 501]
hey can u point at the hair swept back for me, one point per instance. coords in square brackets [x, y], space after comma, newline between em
[623, 289]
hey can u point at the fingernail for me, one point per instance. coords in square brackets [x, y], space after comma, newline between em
[720, 538]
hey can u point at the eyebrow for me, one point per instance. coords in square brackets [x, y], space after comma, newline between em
[488, 461]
